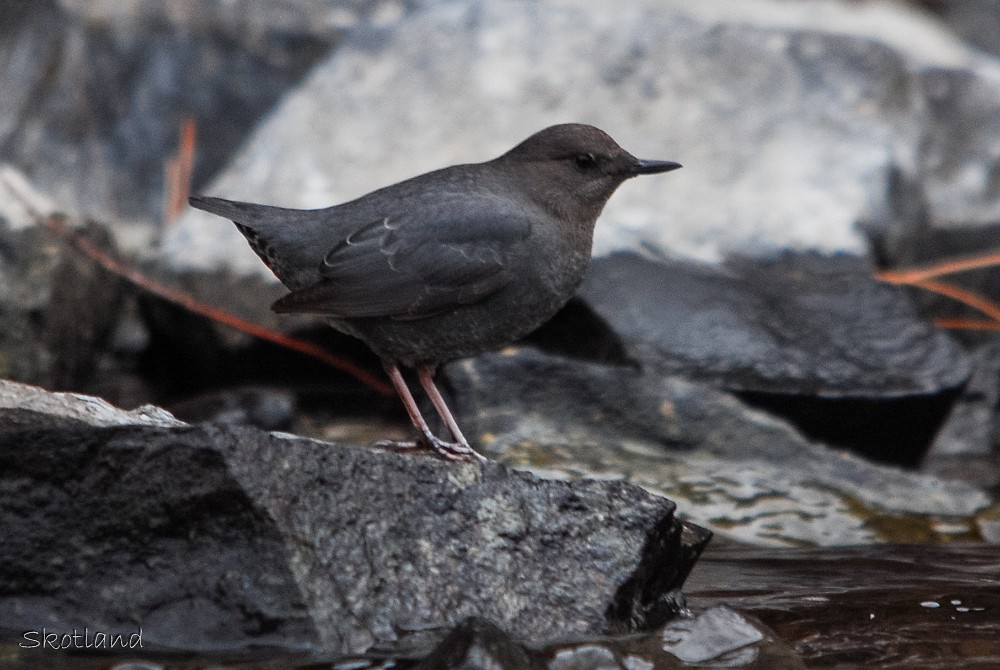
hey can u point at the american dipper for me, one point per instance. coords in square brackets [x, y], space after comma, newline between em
[450, 263]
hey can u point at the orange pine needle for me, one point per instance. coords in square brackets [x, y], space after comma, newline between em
[913, 275]
[966, 324]
[178, 171]
[925, 278]
[964, 296]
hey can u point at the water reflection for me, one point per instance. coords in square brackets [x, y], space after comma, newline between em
[883, 606]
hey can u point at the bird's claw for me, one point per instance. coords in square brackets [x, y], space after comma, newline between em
[451, 451]
[455, 451]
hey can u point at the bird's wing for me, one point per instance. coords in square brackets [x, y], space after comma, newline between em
[405, 268]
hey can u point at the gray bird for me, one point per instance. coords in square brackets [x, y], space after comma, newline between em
[450, 263]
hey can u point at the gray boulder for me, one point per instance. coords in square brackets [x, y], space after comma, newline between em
[802, 324]
[217, 537]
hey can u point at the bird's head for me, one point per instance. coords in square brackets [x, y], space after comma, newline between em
[574, 168]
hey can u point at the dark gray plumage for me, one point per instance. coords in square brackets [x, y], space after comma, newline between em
[450, 263]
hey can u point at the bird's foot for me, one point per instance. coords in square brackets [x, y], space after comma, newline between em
[451, 451]
[455, 451]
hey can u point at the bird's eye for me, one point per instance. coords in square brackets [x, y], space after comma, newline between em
[585, 161]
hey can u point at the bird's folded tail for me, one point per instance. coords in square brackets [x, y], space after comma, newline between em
[242, 212]
[261, 225]
[267, 220]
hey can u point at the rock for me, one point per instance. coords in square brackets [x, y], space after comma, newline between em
[733, 90]
[746, 475]
[921, 246]
[476, 643]
[26, 407]
[966, 447]
[718, 637]
[265, 408]
[726, 638]
[95, 96]
[20, 202]
[247, 21]
[815, 339]
[961, 167]
[58, 308]
[978, 21]
[216, 536]
[76, 326]
[802, 324]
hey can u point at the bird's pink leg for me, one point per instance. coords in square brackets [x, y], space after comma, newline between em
[451, 451]
[426, 377]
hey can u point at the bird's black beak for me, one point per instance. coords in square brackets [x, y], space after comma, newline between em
[653, 167]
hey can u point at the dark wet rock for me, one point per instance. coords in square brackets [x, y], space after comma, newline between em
[968, 445]
[69, 324]
[718, 637]
[903, 606]
[578, 332]
[722, 637]
[802, 324]
[188, 353]
[741, 472]
[813, 338]
[214, 536]
[477, 643]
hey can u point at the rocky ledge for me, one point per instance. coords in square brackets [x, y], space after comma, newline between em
[221, 537]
